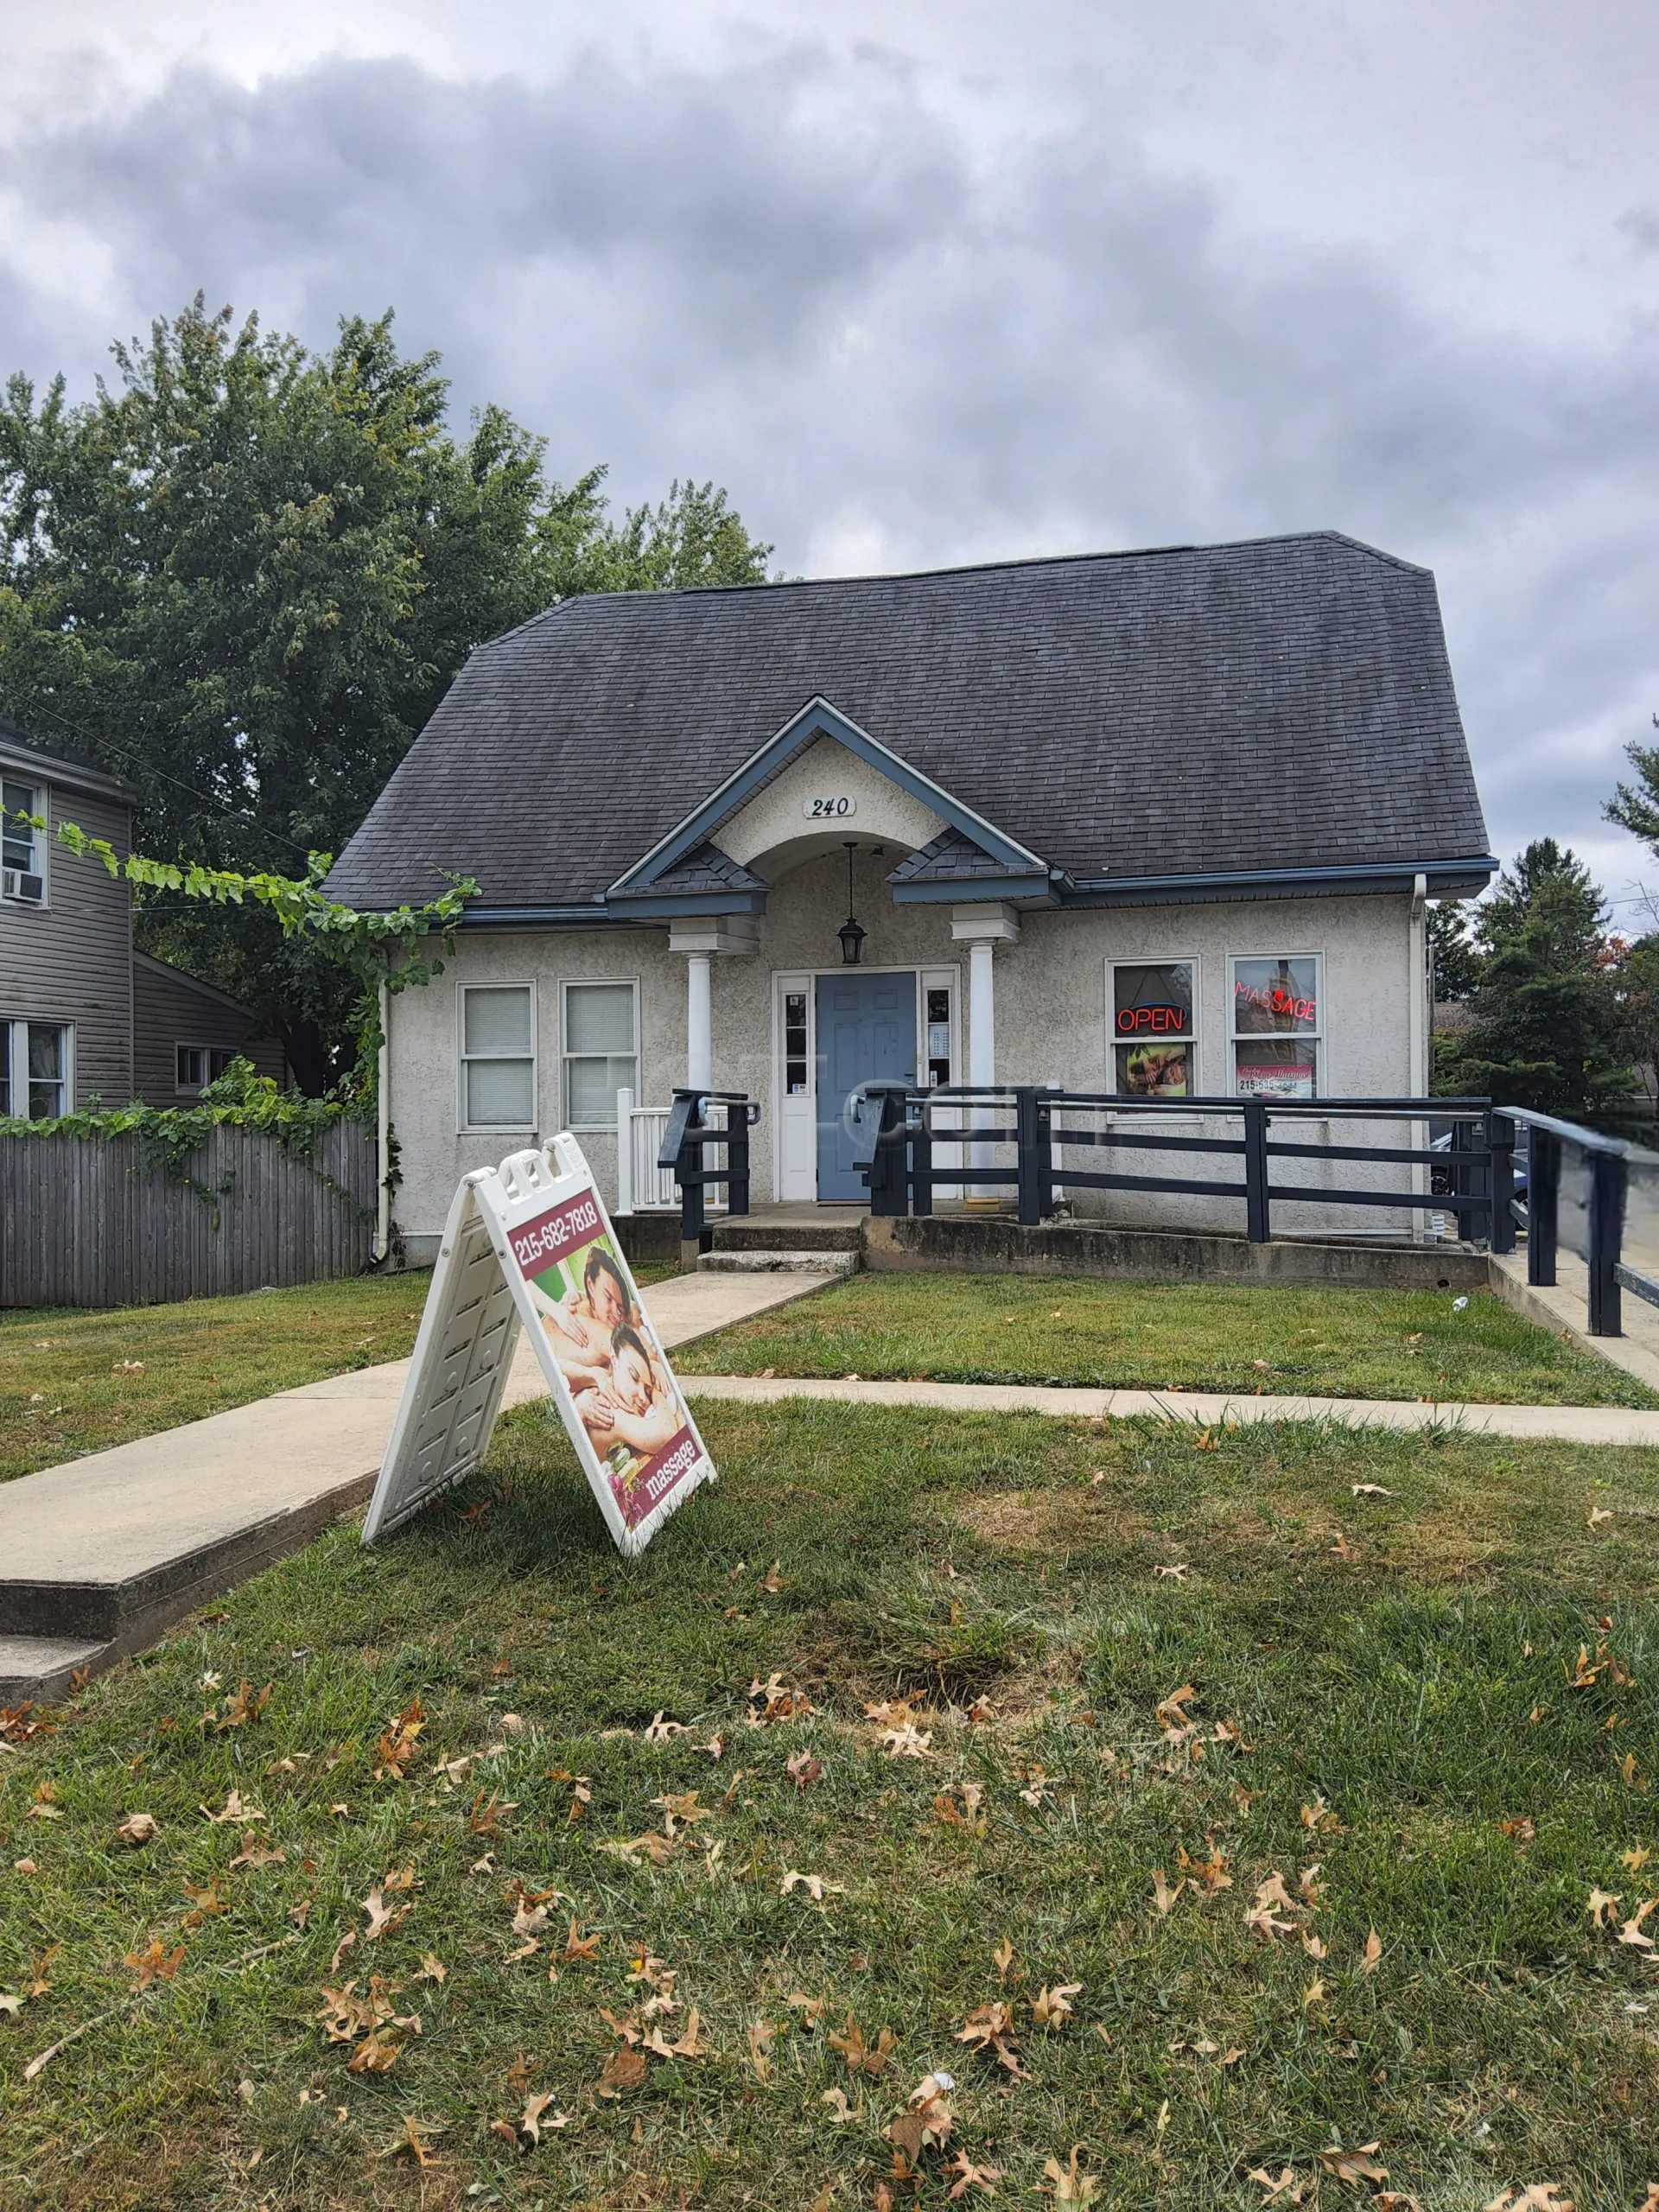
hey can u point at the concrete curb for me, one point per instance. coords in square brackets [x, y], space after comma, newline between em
[1202, 1409]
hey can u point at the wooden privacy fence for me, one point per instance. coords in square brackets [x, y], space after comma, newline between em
[94, 1222]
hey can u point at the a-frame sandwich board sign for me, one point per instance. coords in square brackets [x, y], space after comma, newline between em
[529, 1244]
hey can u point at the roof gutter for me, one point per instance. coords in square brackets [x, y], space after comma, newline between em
[1437, 878]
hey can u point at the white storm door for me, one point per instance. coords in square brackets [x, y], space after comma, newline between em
[795, 1087]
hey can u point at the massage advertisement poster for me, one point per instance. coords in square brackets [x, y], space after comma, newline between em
[609, 1375]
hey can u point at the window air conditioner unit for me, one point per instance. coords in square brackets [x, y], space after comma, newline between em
[16, 883]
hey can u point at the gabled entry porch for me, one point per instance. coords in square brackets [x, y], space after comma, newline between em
[823, 823]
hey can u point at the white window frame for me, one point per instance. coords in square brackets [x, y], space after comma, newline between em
[1194, 1038]
[38, 803]
[465, 1127]
[18, 1025]
[567, 984]
[1316, 1036]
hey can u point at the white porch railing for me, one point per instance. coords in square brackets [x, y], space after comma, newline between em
[641, 1186]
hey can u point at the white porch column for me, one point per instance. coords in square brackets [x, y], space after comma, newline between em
[981, 1012]
[699, 1022]
[982, 929]
[700, 937]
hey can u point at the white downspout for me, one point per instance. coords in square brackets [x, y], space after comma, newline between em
[1417, 1036]
[383, 1130]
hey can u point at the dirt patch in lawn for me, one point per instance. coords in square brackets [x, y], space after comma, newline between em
[1065, 1519]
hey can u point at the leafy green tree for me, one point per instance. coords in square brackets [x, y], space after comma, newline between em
[1454, 957]
[1638, 809]
[243, 575]
[1638, 996]
[1549, 1030]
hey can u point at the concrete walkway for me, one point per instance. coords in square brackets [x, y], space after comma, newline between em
[1205, 1408]
[99, 1555]
[1564, 1310]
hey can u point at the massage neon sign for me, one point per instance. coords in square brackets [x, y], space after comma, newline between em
[1276, 999]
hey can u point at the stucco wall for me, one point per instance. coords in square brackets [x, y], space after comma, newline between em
[772, 829]
[1050, 1012]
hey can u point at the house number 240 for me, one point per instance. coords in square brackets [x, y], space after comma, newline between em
[828, 809]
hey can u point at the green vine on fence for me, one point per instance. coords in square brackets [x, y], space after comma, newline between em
[167, 1138]
[383, 949]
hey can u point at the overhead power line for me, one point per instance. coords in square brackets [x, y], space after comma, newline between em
[147, 768]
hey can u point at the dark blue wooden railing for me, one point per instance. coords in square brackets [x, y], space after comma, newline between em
[899, 1132]
[690, 1140]
[1606, 1163]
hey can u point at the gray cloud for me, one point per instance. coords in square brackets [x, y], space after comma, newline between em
[900, 342]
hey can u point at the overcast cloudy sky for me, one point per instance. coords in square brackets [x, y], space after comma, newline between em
[929, 282]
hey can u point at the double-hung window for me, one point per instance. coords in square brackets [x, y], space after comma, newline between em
[34, 1069]
[600, 1030]
[1153, 1007]
[22, 864]
[1277, 1026]
[194, 1066]
[497, 1056]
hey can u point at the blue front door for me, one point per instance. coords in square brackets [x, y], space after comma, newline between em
[867, 1033]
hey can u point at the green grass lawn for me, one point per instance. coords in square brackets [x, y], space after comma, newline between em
[1120, 1672]
[1345, 1343]
[74, 1381]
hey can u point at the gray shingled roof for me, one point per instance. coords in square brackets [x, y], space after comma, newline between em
[1280, 703]
[704, 868]
[950, 858]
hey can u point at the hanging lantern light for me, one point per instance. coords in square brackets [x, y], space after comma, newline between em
[851, 936]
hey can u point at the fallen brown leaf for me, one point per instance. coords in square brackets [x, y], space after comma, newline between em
[1069, 2184]
[861, 2057]
[972, 2176]
[252, 1855]
[156, 1964]
[1052, 2008]
[1354, 2166]
[624, 2070]
[989, 2028]
[814, 1884]
[535, 2117]
[233, 1811]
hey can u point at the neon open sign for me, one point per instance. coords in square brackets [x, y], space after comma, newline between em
[1159, 1020]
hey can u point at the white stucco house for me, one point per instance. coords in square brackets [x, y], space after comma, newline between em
[1159, 824]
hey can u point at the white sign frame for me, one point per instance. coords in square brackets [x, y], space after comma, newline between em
[602, 1359]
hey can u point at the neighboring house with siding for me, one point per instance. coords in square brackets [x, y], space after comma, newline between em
[82, 1015]
[1151, 825]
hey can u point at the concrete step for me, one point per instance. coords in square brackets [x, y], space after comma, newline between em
[777, 1263]
[37, 1670]
[754, 1233]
